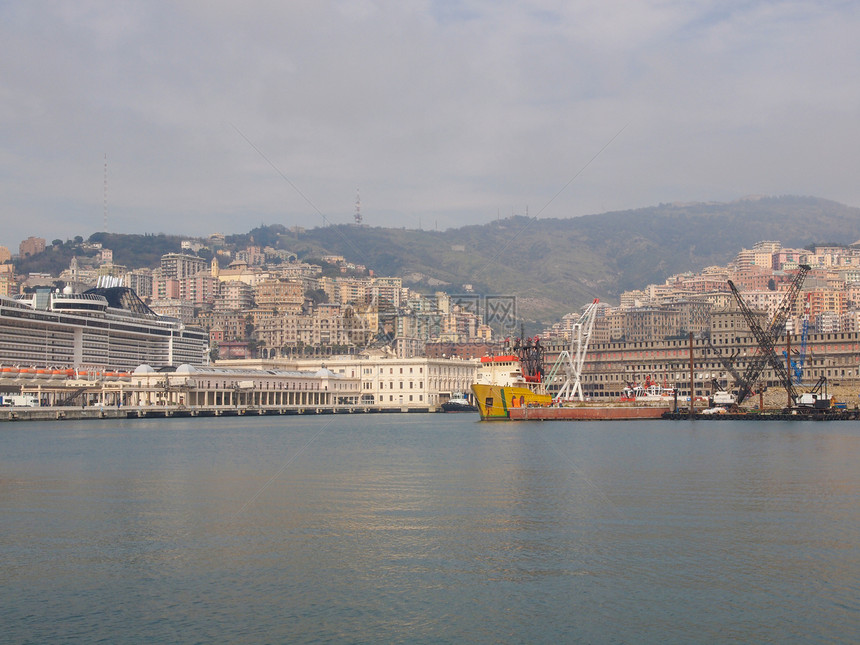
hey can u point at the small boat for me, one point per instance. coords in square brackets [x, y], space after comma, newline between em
[650, 392]
[459, 403]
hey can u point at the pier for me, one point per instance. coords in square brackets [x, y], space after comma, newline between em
[68, 413]
[834, 414]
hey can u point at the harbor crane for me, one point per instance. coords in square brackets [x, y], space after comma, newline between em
[765, 338]
[728, 362]
[798, 365]
[571, 362]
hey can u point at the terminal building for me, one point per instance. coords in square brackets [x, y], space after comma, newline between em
[226, 388]
[418, 383]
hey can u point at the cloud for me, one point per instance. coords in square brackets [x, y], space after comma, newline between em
[448, 112]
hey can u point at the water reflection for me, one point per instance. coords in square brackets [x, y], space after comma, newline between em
[429, 528]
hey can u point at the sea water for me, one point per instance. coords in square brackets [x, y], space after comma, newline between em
[429, 528]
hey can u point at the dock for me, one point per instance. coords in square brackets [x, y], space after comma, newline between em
[69, 413]
[767, 415]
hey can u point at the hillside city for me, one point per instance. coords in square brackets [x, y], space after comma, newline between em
[266, 303]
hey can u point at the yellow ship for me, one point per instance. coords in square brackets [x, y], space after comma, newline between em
[502, 386]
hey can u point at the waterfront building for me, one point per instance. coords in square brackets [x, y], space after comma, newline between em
[386, 382]
[609, 367]
[238, 387]
[404, 382]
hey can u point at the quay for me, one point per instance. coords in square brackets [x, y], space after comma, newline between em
[774, 415]
[69, 413]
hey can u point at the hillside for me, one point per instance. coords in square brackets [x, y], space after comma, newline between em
[557, 265]
[553, 266]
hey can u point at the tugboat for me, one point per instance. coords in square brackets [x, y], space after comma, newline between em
[459, 403]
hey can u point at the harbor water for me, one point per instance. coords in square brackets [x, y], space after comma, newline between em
[431, 528]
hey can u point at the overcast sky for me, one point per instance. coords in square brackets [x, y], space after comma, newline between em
[219, 116]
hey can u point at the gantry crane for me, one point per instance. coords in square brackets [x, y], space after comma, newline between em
[765, 339]
[571, 362]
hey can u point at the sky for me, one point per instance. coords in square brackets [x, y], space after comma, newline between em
[196, 117]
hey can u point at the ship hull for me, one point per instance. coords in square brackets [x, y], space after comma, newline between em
[458, 407]
[588, 413]
[496, 401]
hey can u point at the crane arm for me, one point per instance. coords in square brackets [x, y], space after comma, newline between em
[765, 338]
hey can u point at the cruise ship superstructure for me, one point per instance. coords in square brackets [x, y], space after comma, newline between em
[103, 328]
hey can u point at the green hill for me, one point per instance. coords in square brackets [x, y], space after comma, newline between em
[557, 265]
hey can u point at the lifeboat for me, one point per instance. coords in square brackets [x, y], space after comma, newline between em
[9, 371]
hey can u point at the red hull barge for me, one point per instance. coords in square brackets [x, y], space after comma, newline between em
[585, 413]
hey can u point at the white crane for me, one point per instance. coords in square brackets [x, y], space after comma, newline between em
[572, 361]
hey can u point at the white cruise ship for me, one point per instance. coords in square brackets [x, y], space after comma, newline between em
[107, 328]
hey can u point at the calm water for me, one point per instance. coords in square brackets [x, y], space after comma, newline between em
[429, 529]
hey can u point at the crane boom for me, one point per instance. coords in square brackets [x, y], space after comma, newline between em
[572, 362]
[728, 362]
[765, 338]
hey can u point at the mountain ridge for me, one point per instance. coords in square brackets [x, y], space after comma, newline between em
[557, 265]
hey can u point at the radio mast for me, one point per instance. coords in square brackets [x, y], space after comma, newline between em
[357, 208]
[105, 202]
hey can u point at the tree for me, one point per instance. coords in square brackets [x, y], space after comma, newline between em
[316, 296]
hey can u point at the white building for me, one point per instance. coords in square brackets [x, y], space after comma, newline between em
[401, 383]
[239, 387]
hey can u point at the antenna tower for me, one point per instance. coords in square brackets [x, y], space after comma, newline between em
[357, 208]
[104, 214]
